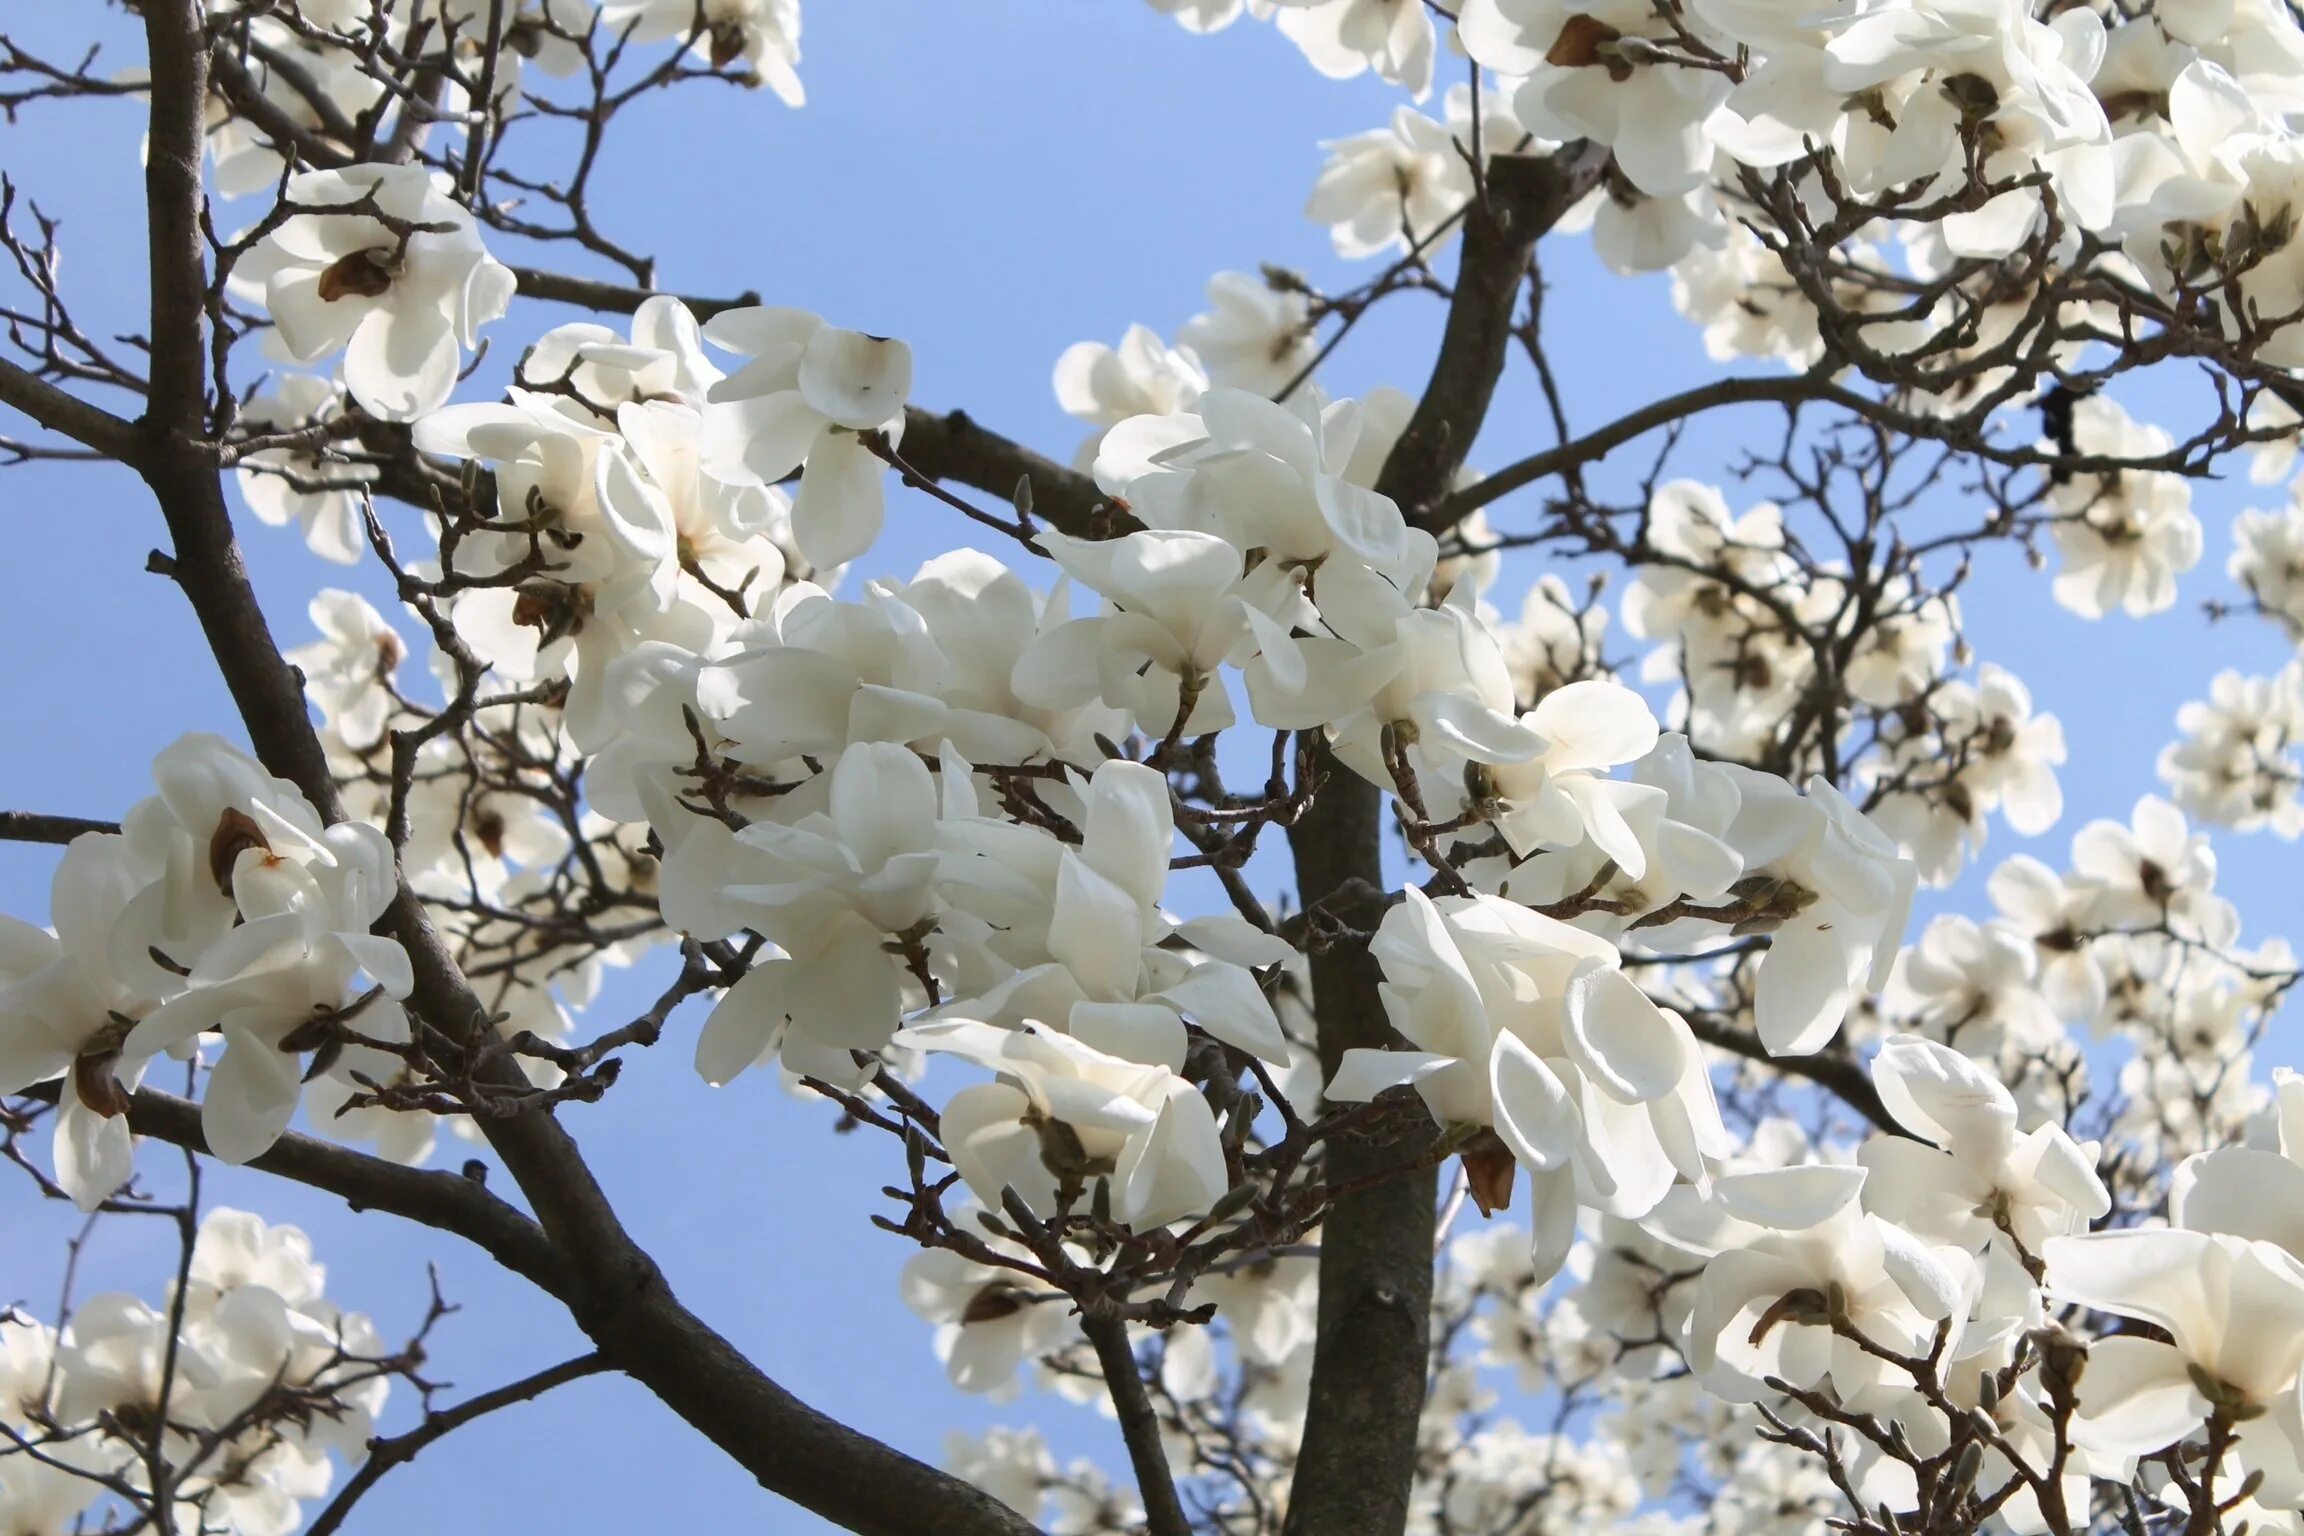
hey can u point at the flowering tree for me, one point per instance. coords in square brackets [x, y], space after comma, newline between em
[1200, 894]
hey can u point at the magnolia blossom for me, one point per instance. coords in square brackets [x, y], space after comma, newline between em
[1253, 336]
[2125, 537]
[1556, 798]
[1834, 893]
[1803, 1261]
[1399, 186]
[2233, 765]
[1064, 1116]
[761, 36]
[263, 1378]
[381, 264]
[2268, 559]
[989, 1320]
[1143, 376]
[1523, 1023]
[2234, 1313]
[866, 866]
[1586, 75]
[1344, 38]
[805, 397]
[1982, 1182]
[311, 487]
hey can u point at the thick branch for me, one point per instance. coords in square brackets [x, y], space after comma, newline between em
[953, 447]
[1373, 1345]
[59, 411]
[1526, 195]
[174, 32]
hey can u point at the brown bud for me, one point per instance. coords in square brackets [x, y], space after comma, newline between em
[363, 274]
[727, 43]
[995, 1301]
[1489, 1169]
[96, 1087]
[236, 832]
[1579, 45]
[1805, 1305]
[488, 827]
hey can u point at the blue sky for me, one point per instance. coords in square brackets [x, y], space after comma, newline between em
[991, 182]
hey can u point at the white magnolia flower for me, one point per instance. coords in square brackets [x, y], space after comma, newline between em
[1173, 623]
[808, 392]
[1065, 1116]
[1585, 74]
[2155, 868]
[348, 671]
[1143, 376]
[1398, 186]
[1345, 38]
[989, 1320]
[831, 891]
[761, 36]
[1835, 895]
[382, 265]
[1975, 1180]
[2233, 765]
[63, 1012]
[297, 901]
[2234, 1313]
[1557, 798]
[1253, 336]
[2125, 537]
[318, 491]
[2268, 559]
[1802, 1254]
[1522, 1023]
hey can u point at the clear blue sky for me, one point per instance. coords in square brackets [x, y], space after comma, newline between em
[992, 182]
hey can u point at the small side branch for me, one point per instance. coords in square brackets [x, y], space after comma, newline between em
[384, 1455]
[32, 827]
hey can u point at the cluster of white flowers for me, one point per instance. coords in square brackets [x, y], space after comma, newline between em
[240, 1388]
[379, 263]
[940, 820]
[223, 913]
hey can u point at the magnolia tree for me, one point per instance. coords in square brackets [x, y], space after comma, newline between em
[1205, 902]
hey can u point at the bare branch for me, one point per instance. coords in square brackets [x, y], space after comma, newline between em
[384, 1455]
[32, 827]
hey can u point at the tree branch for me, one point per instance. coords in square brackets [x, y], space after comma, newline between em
[384, 1455]
[1139, 1426]
[32, 827]
[613, 1289]
[60, 411]
[1526, 195]
[446, 1202]
[175, 33]
[613, 298]
[1840, 1075]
